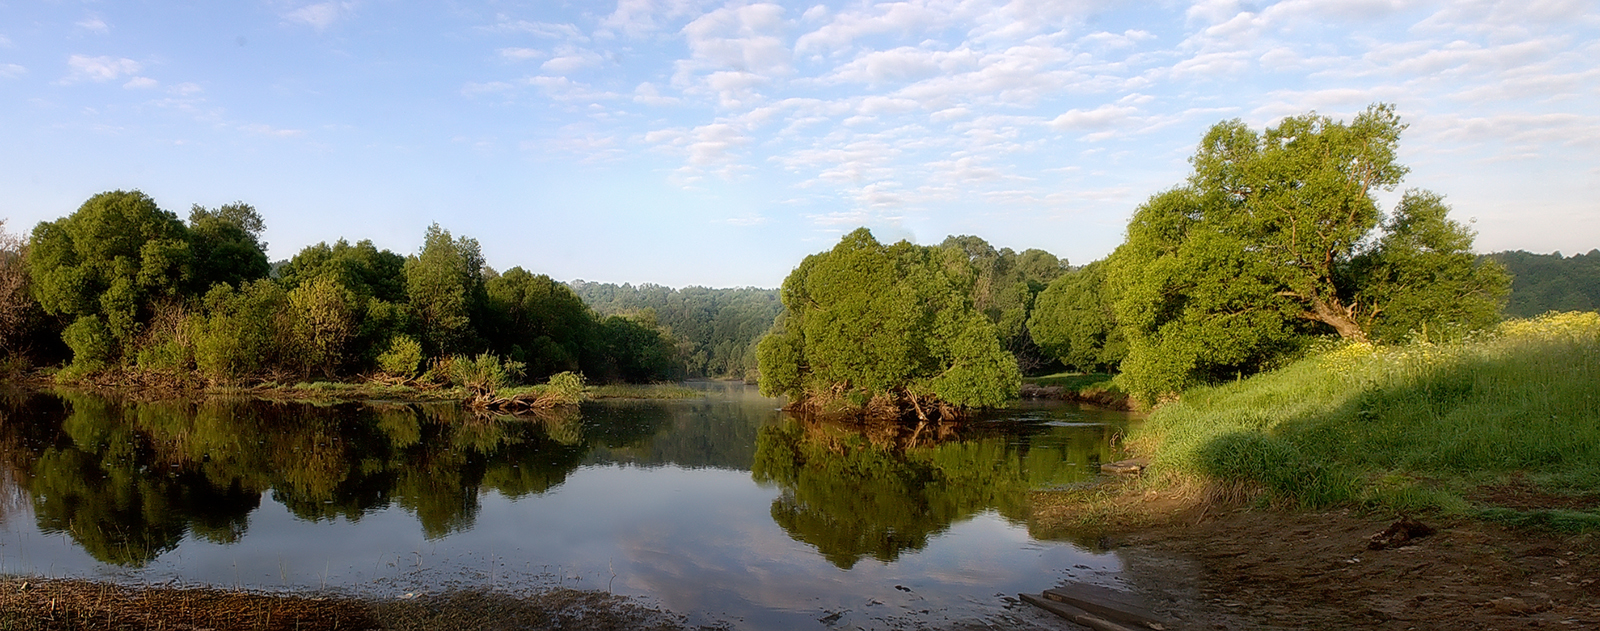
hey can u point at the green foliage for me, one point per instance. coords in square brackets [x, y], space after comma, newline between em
[1362, 423]
[402, 358]
[484, 374]
[866, 320]
[538, 321]
[1549, 282]
[1074, 320]
[91, 344]
[635, 351]
[1004, 287]
[362, 268]
[110, 261]
[324, 323]
[445, 284]
[1422, 277]
[242, 332]
[1275, 238]
[716, 329]
[226, 244]
[565, 388]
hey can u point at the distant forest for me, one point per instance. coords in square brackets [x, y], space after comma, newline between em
[1550, 282]
[715, 329]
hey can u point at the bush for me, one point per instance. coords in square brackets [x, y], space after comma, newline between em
[565, 388]
[483, 374]
[402, 358]
[90, 342]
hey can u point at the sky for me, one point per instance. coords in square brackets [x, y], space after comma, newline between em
[717, 143]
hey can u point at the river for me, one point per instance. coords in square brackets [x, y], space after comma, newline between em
[720, 507]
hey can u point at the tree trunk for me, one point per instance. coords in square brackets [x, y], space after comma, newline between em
[1342, 318]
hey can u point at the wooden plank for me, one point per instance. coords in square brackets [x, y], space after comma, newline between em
[1107, 602]
[1073, 613]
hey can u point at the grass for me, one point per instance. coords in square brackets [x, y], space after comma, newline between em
[1420, 427]
[643, 391]
[1075, 381]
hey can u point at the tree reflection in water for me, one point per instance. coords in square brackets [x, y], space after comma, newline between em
[127, 479]
[856, 490]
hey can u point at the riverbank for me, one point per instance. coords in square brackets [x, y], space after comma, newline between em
[31, 604]
[1431, 485]
[151, 389]
[1210, 561]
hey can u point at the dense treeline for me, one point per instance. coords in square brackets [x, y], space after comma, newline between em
[905, 329]
[1275, 241]
[716, 329]
[135, 293]
[1541, 283]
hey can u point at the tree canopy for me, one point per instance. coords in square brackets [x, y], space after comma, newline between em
[1277, 236]
[866, 321]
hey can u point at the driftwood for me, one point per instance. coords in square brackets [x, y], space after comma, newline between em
[519, 404]
[1097, 607]
[1126, 467]
[1073, 613]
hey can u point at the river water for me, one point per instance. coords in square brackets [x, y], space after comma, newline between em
[720, 507]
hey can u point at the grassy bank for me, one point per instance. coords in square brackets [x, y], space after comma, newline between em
[1097, 388]
[1504, 426]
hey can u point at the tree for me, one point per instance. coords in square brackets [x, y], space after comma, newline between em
[1276, 237]
[538, 321]
[226, 244]
[866, 321]
[18, 311]
[1550, 282]
[1075, 320]
[445, 284]
[1004, 287]
[105, 265]
[1422, 277]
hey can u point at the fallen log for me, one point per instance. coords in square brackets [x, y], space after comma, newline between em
[1108, 603]
[1126, 467]
[1073, 614]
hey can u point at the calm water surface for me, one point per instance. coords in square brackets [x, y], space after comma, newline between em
[721, 507]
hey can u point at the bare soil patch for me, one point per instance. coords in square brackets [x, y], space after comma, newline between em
[52, 605]
[1248, 569]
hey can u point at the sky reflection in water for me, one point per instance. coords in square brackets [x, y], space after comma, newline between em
[655, 499]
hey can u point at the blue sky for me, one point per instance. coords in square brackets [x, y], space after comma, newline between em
[717, 143]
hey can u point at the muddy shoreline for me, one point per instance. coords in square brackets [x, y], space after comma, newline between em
[1251, 569]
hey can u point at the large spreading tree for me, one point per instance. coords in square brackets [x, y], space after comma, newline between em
[896, 323]
[1277, 236]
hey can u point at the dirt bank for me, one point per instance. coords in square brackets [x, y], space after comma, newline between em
[52, 605]
[1246, 569]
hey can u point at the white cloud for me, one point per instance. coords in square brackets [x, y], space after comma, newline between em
[94, 24]
[268, 130]
[647, 94]
[904, 64]
[321, 15]
[521, 54]
[141, 83]
[552, 30]
[99, 69]
[893, 17]
[1102, 117]
[12, 71]
[740, 38]
[568, 59]
[186, 89]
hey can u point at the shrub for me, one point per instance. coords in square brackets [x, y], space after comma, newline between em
[402, 358]
[485, 373]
